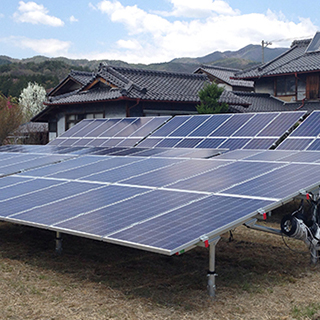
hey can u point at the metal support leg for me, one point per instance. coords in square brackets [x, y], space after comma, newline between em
[212, 267]
[314, 252]
[58, 243]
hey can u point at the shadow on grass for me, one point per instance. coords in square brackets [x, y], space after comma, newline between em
[178, 281]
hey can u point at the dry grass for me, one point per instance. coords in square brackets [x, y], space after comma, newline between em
[259, 278]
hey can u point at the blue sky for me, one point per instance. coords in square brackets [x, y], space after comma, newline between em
[141, 31]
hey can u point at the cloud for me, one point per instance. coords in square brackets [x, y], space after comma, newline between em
[31, 12]
[48, 47]
[73, 19]
[199, 8]
[194, 29]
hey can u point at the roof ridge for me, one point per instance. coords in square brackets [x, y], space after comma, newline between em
[219, 68]
[160, 72]
[261, 67]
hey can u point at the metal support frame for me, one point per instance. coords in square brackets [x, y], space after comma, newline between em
[58, 243]
[212, 267]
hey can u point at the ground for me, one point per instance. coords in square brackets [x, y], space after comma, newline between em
[258, 278]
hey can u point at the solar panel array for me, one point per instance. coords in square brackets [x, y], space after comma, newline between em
[158, 204]
[229, 131]
[150, 197]
[121, 132]
[306, 136]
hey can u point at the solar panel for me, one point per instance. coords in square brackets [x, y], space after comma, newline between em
[231, 125]
[189, 126]
[281, 124]
[234, 143]
[211, 124]
[230, 131]
[304, 137]
[315, 145]
[258, 143]
[309, 127]
[225, 176]
[280, 183]
[169, 232]
[171, 174]
[27, 161]
[170, 126]
[294, 144]
[121, 215]
[255, 124]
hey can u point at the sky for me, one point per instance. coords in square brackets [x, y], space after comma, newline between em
[150, 31]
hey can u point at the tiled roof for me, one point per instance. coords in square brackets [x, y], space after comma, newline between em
[296, 59]
[225, 75]
[259, 102]
[134, 84]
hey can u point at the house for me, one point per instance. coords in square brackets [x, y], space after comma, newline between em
[292, 78]
[119, 92]
[224, 78]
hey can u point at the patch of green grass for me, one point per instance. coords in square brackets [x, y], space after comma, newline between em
[305, 312]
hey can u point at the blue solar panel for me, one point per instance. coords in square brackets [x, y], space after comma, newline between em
[110, 124]
[107, 164]
[91, 200]
[29, 186]
[225, 176]
[74, 130]
[260, 143]
[65, 165]
[280, 183]
[129, 170]
[214, 122]
[103, 125]
[134, 126]
[179, 171]
[231, 125]
[173, 230]
[121, 126]
[270, 155]
[281, 124]
[309, 127]
[236, 143]
[121, 215]
[43, 196]
[238, 154]
[189, 126]
[211, 143]
[167, 142]
[149, 142]
[315, 145]
[28, 161]
[170, 126]
[188, 143]
[255, 124]
[303, 156]
[151, 126]
[294, 144]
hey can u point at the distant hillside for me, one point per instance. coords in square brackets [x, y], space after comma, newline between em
[15, 74]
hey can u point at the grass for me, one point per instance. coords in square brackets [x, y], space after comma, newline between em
[259, 278]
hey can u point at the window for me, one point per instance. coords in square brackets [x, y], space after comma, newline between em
[286, 86]
[73, 119]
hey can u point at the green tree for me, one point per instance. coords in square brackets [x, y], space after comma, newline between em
[10, 117]
[209, 99]
[31, 100]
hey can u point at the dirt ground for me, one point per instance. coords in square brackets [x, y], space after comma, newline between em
[258, 278]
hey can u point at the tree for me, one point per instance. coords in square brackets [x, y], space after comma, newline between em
[209, 99]
[10, 117]
[31, 100]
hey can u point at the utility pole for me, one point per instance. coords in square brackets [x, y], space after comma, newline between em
[264, 44]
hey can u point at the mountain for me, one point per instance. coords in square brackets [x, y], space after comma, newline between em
[16, 73]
